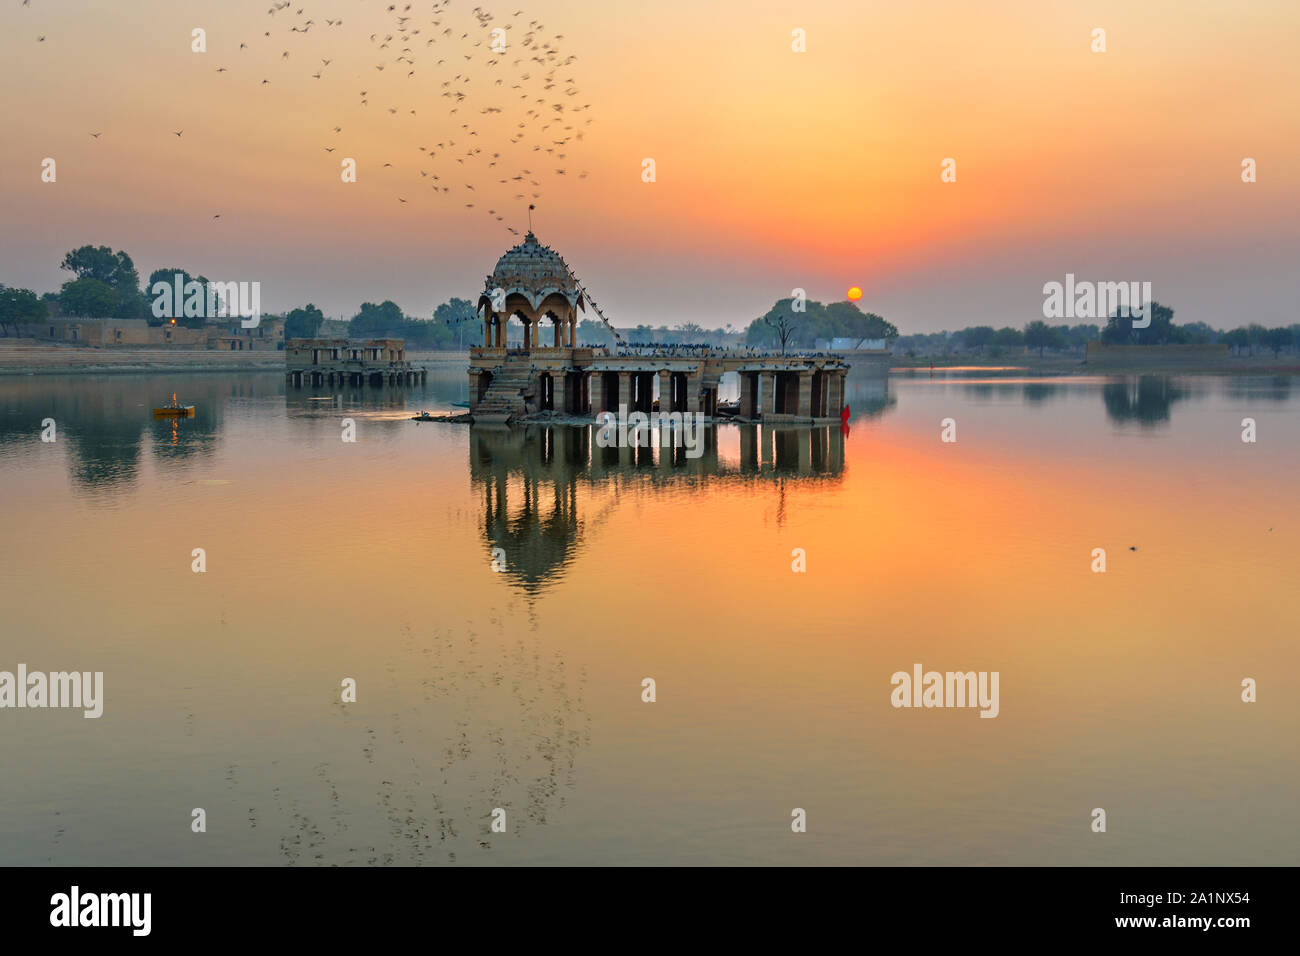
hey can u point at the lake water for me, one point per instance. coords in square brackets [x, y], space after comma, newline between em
[521, 689]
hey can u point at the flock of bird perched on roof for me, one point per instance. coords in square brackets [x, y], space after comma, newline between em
[485, 73]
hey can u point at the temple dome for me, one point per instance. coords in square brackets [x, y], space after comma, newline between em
[535, 272]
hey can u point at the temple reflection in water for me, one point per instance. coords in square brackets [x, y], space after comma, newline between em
[544, 486]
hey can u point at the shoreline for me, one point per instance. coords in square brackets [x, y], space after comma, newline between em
[27, 360]
[1234, 365]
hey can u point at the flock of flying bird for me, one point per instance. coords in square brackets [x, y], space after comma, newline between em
[495, 72]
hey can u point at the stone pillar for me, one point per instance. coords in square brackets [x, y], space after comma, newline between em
[487, 330]
[559, 333]
[693, 391]
[597, 387]
[573, 331]
[528, 338]
[500, 335]
[768, 390]
[560, 382]
[746, 393]
[665, 392]
[803, 406]
[624, 393]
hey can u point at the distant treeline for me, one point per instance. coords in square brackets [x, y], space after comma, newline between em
[105, 284]
[1119, 330]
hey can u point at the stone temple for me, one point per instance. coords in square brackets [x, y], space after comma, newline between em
[553, 374]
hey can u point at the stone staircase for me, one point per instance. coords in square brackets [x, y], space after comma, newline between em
[505, 397]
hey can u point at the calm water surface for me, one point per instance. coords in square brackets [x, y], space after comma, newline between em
[521, 689]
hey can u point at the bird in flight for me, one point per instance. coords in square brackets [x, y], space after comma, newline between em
[177, 134]
[96, 135]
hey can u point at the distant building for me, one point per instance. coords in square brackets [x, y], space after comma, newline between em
[338, 362]
[548, 372]
[266, 336]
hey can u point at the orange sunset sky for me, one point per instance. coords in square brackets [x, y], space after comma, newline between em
[775, 169]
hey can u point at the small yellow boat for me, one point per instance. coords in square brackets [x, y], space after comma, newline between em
[174, 410]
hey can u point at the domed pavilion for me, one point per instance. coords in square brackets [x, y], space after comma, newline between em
[554, 375]
[532, 283]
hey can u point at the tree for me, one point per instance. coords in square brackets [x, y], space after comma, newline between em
[1081, 335]
[978, 336]
[19, 306]
[1161, 330]
[1237, 339]
[1008, 337]
[1277, 339]
[378, 321]
[1255, 333]
[87, 298]
[783, 324]
[115, 270]
[816, 321]
[457, 315]
[1199, 333]
[1039, 335]
[846, 320]
[178, 308]
[303, 323]
[427, 334]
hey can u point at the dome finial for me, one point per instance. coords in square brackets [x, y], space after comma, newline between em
[531, 207]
